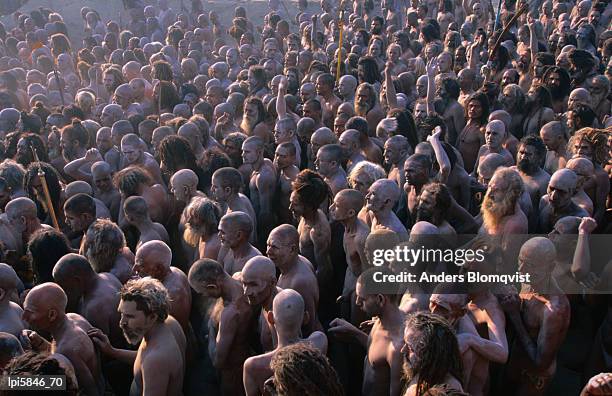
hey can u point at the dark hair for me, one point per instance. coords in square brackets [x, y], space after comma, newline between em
[35, 363]
[430, 29]
[176, 154]
[127, 180]
[358, 123]
[162, 71]
[584, 112]
[565, 86]
[543, 97]
[371, 73]
[80, 204]
[452, 87]
[537, 143]
[484, 103]
[53, 183]
[311, 189]
[76, 131]
[46, 247]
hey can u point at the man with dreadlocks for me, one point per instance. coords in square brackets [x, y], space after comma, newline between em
[431, 354]
[310, 191]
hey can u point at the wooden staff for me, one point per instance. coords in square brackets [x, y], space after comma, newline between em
[516, 16]
[341, 27]
[43, 182]
[59, 87]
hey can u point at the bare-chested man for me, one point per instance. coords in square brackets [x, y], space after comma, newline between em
[330, 102]
[202, 217]
[471, 137]
[136, 181]
[91, 295]
[153, 259]
[382, 197]
[495, 133]
[309, 191]
[349, 141]
[287, 315]
[433, 206]
[159, 363]
[367, 106]
[584, 170]
[234, 232]
[397, 150]
[258, 278]
[45, 311]
[383, 363]
[558, 202]
[225, 189]
[502, 216]
[530, 156]
[133, 154]
[10, 312]
[136, 213]
[22, 218]
[104, 190]
[104, 247]
[346, 207]
[230, 322]
[417, 170]
[329, 164]
[296, 272]
[284, 161]
[553, 136]
[540, 316]
[262, 185]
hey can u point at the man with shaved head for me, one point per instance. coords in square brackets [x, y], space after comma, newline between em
[136, 213]
[296, 272]
[111, 113]
[234, 232]
[44, 310]
[329, 164]
[132, 154]
[22, 218]
[229, 323]
[91, 295]
[345, 209]
[153, 259]
[80, 187]
[381, 199]
[318, 139]
[558, 202]
[285, 163]
[287, 315]
[124, 97]
[184, 186]
[104, 189]
[258, 278]
[191, 132]
[8, 120]
[495, 135]
[262, 185]
[540, 316]
[553, 135]
[349, 141]
[10, 312]
[584, 169]
[397, 150]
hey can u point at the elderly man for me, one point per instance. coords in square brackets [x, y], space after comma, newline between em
[382, 197]
[329, 164]
[22, 217]
[553, 137]
[45, 311]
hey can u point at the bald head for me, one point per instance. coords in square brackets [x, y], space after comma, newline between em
[183, 183]
[72, 265]
[101, 168]
[78, 187]
[9, 281]
[583, 167]
[287, 234]
[350, 199]
[155, 252]
[259, 267]
[579, 95]
[239, 221]
[388, 189]
[564, 179]
[288, 309]
[136, 208]
[538, 250]
[489, 164]
[423, 228]
[47, 296]
[21, 206]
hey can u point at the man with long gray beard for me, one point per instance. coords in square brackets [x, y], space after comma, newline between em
[159, 363]
[502, 216]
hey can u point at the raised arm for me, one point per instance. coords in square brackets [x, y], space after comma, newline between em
[441, 157]
[431, 85]
[281, 105]
[313, 34]
[533, 43]
[581, 265]
[74, 168]
[390, 93]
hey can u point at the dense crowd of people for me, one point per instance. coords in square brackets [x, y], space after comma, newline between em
[188, 207]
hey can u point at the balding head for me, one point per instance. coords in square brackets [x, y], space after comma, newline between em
[421, 228]
[565, 179]
[136, 209]
[44, 306]
[553, 135]
[286, 233]
[9, 281]
[288, 312]
[184, 184]
[153, 259]
[235, 229]
[78, 187]
[579, 95]
[258, 279]
[382, 195]
[72, 265]
[321, 137]
[537, 257]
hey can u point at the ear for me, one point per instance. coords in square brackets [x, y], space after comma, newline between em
[2, 293]
[52, 315]
[380, 299]
[270, 318]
